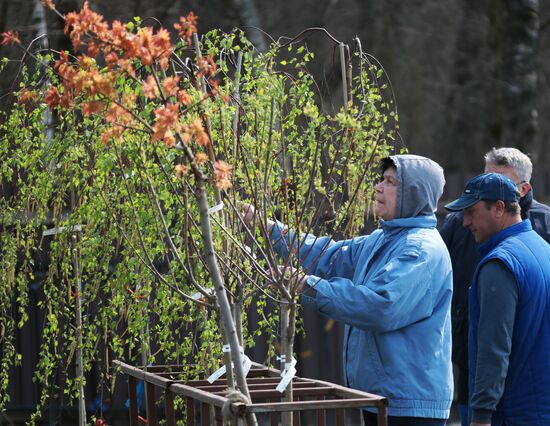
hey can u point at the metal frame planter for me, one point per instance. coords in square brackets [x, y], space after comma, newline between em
[206, 401]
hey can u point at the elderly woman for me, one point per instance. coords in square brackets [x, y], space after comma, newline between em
[392, 290]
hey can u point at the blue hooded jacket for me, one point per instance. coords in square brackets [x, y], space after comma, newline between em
[392, 290]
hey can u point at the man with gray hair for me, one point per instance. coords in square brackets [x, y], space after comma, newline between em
[464, 256]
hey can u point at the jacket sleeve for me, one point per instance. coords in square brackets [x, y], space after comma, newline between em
[320, 256]
[498, 297]
[398, 294]
[450, 224]
[539, 215]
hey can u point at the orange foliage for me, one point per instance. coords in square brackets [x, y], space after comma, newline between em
[184, 97]
[126, 65]
[200, 158]
[166, 117]
[92, 83]
[117, 114]
[186, 27]
[181, 170]
[195, 130]
[111, 59]
[109, 133]
[207, 66]
[122, 39]
[222, 172]
[170, 86]
[27, 97]
[64, 67]
[48, 4]
[150, 88]
[201, 137]
[10, 38]
[129, 99]
[85, 22]
[52, 97]
[89, 108]
[121, 49]
[154, 46]
[93, 49]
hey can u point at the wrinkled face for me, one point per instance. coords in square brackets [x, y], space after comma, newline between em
[523, 187]
[386, 195]
[483, 223]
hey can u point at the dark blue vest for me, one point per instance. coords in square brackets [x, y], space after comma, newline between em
[526, 398]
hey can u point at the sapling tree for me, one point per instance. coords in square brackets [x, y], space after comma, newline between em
[156, 145]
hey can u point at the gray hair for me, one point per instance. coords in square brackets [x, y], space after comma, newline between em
[511, 157]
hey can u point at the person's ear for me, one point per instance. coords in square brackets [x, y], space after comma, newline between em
[500, 208]
[524, 188]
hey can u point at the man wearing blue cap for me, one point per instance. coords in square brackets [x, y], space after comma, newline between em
[509, 308]
[462, 247]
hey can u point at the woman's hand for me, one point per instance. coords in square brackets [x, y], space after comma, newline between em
[250, 216]
[248, 212]
[294, 277]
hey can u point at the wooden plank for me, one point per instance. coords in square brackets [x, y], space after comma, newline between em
[340, 417]
[151, 406]
[169, 408]
[275, 394]
[223, 382]
[132, 397]
[349, 393]
[171, 375]
[299, 392]
[159, 381]
[190, 411]
[270, 371]
[297, 415]
[261, 387]
[159, 367]
[309, 405]
[205, 414]
[198, 394]
[321, 417]
[270, 387]
[382, 418]
[145, 376]
[274, 416]
[219, 417]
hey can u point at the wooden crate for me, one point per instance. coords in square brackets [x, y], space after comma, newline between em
[204, 400]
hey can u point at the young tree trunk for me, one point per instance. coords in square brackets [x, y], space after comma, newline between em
[226, 318]
[78, 331]
[201, 85]
[288, 332]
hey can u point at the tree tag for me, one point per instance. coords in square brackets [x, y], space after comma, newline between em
[215, 208]
[287, 375]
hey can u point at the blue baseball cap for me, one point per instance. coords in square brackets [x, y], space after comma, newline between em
[488, 187]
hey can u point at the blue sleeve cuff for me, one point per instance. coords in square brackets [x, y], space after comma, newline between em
[280, 235]
[277, 230]
[309, 295]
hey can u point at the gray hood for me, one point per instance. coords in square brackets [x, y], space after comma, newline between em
[420, 186]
